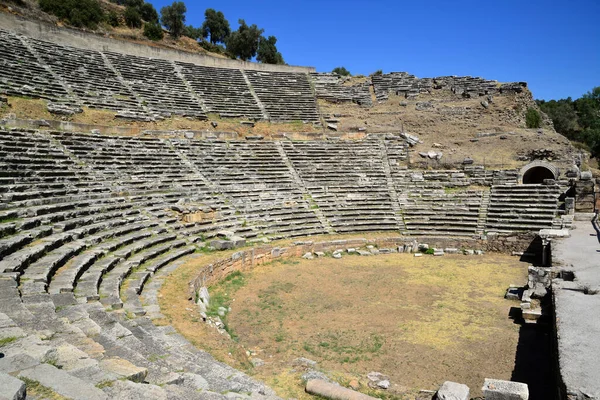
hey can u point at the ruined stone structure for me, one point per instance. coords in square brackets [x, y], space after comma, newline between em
[87, 219]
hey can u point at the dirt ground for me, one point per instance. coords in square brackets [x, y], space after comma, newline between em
[420, 321]
[451, 126]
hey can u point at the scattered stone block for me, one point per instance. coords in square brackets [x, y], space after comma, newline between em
[63, 383]
[513, 294]
[411, 139]
[337, 255]
[11, 388]
[63, 109]
[308, 256]
[378, 381]
[332, 127]
[238, 241]
[586, 175]
[247, 123]
[494, 389]
[438, 252]
[453, 391]
[319, 254]
[125, 369]
[418, 254]
[305, 362]
[257, 362]
[221, 244]
[451, 250]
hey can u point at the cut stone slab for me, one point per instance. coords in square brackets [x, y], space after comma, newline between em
[63, 383]
[16, 363]
[495, 389]
[11, 388]
[135, 391]
[194, 381]
[125, 369]
[453, 391]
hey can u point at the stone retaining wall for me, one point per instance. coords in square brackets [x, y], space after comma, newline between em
[247, 259]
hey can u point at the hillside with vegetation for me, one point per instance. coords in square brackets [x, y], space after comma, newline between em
[140, 22]
[578, 120]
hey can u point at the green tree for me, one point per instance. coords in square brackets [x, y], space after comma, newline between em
[533, 118]
[153, 31]
[243, 43]
[173, 18]
[78, 13]
[267, 51]
[578, 120]
[341, 71]
[132, 17]
[563, 116]
[216, 26]
[588, 109]
[192, 32]
[148, 13]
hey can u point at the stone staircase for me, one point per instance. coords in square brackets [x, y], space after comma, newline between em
[483, 212]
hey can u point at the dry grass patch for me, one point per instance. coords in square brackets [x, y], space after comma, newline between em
[419, 320]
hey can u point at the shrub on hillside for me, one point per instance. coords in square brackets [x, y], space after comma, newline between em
[132, 18]
[213, 48]
[341, 71]
[113, 19]
[533, 118]
[153, 31]
[78, 13]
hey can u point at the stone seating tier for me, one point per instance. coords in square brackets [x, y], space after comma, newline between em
[157, 84]
[76, 258]
[90, 80]
[149, 88]
[330, 87]
[23, 75]
[225, 91]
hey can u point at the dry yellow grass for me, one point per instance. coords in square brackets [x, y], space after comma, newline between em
[420, 320]
[26, 108]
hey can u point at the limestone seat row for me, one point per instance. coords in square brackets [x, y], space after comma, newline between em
[148, 88]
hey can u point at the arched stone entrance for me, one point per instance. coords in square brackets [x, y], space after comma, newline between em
[537, 172]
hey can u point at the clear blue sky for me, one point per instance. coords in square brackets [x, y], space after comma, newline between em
[553, 45]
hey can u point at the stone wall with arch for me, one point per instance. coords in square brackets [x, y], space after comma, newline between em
[537, 171]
